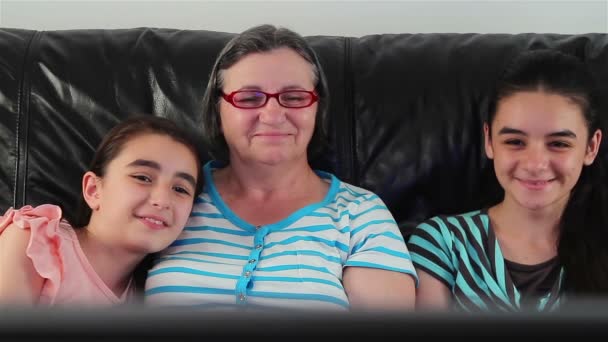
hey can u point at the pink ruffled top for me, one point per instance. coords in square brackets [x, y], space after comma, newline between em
[58, 258]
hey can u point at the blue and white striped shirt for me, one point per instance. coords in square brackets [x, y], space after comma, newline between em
[221, 261]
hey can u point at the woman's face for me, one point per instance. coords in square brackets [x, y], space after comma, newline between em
[271, 134]
[539, 143]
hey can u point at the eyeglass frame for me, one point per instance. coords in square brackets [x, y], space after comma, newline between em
[230, 97]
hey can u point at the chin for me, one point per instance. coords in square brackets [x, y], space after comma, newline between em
[143, 250]
[537, 204]
[541, 201]
[147, 247]
[534, 207]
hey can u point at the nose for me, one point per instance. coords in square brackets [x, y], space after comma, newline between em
[272, 113]
[160, 198]
[536, 159]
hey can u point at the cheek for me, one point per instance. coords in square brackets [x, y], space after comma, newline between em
[183, 210]
[127, 194]
[226, 116]
[571, 166]
[305, 120]
[232, 120]
[503, 162]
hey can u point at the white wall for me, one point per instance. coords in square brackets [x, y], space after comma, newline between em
[352, 18]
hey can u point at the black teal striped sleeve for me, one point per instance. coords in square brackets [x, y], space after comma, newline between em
[430, 247]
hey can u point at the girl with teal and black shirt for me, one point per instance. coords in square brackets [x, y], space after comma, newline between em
[545, 238]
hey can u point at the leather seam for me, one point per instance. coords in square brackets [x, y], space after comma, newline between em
[349, 141]
[22, 124]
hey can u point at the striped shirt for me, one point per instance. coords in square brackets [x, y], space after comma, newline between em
[462, 252]
[223, 262]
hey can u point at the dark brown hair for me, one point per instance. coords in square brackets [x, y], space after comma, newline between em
[111, 146]
[583, 227]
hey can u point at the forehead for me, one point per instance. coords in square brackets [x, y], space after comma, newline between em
[275, 68]
[156, 147]
[539, 110]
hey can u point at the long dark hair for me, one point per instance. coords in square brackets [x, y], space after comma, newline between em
[111, 146]
[257, 39]
[582, 244]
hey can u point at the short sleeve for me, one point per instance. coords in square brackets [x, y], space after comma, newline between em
[45, 242]
[430, 246]
[376, 240]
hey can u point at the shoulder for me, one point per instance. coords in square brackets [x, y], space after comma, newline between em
[460, 224]
[42, 233]
[30, 217]
[350, 193]
[357, 203]
[43, 226]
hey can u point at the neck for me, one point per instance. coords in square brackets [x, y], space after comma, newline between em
[267, 181]
[512, 220]
[113, 265]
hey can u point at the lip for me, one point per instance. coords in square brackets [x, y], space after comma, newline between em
[271, 134]
[153, 221]
[535, 184]
[272, 137]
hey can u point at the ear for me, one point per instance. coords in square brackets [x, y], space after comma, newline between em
[593, 147]
[91, 190]
[487, 141]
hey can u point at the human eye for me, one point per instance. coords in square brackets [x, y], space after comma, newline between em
[295, 97]
[182, 189]
[249, 98]
[559, 144]
[142, 178]
[514, 142]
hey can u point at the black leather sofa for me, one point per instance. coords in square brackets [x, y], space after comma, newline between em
[406, 109]
[405, 116]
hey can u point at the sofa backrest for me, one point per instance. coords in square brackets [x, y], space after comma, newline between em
[405, 119]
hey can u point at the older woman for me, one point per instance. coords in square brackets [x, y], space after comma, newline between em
[269, 231]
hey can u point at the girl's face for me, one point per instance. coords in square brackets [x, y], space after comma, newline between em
[144, 200]
[271, 134]
[539, 143]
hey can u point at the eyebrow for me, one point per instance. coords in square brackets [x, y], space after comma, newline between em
[154, 165]
[258, 88]
[566, 133]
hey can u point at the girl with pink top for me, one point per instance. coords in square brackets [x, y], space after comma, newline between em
[137, 196]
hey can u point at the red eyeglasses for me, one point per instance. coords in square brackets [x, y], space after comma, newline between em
[249, 99]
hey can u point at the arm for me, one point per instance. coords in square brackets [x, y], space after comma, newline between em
[430, 249]
[378, 273]
[19, 281]
[378, 289]
[431, 294]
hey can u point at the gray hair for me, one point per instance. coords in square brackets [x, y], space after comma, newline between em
[257, 39]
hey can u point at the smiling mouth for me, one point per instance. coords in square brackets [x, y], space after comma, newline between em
[150, 221]
[272, 138]
[272, 135]
[535, 184]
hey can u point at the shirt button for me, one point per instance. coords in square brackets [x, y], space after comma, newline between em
[251, 261]
[242, 297]
[258, 227]
[247, 274]
[258, 247]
